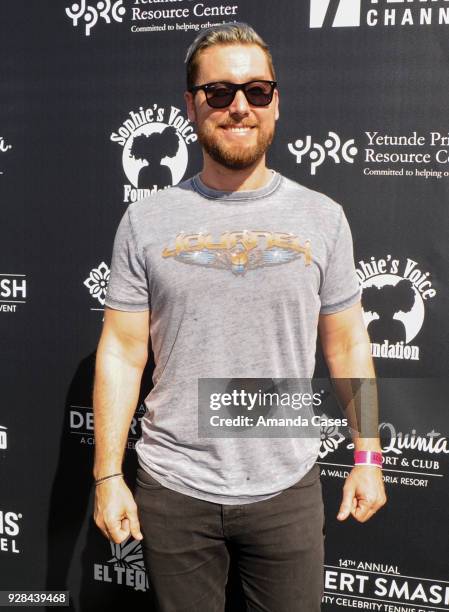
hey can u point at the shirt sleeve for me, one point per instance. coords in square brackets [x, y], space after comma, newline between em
[340, 288]
[128, 279]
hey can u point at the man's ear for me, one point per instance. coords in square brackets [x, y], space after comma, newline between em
[190, 105]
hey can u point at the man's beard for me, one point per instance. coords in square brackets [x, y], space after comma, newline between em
[234, 157]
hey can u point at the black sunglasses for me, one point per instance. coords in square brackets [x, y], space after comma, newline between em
[221, 93]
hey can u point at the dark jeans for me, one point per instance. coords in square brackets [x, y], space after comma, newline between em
[279, 543]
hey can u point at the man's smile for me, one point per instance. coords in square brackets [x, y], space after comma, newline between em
[242, 130]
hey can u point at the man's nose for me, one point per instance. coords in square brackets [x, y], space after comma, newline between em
[239, 105]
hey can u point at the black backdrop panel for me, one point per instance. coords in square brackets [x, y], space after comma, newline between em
[363, 119]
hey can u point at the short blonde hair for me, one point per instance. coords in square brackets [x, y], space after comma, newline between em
[235, 33]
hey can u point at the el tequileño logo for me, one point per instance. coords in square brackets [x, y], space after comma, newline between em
[155, 149]
[126, 566]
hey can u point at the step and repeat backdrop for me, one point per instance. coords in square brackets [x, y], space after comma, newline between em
[92, 119]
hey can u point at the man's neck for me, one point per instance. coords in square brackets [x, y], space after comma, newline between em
[218, 177]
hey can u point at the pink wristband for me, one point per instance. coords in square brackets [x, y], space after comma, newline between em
[368, 458]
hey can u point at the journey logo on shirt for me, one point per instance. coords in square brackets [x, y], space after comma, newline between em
[239, 251]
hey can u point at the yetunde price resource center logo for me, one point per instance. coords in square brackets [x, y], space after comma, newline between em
[395, 297]
[144, 17]
[422, 155]
[155, 149]
[86, 16]
[316, 153]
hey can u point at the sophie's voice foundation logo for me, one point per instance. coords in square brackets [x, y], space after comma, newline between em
[155, 154]
[395, 298]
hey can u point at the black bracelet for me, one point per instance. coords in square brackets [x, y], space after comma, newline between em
[107, 477]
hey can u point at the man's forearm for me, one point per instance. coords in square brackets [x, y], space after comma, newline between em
[115, 397]
[353, 377]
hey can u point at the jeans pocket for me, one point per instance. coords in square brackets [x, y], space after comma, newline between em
[146, 481]
[310, 478]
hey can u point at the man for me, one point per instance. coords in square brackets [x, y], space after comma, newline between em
[238, 267]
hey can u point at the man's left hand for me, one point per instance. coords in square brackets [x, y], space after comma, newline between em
[363, 493]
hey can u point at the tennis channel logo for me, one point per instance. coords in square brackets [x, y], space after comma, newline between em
[337, 14]
[377, 13]
[9, 530]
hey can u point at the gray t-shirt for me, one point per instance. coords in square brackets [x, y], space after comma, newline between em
[235, 282]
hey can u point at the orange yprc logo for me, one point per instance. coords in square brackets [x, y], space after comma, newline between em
[239, 251]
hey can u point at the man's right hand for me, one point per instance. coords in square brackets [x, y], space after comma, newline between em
[115, 511]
